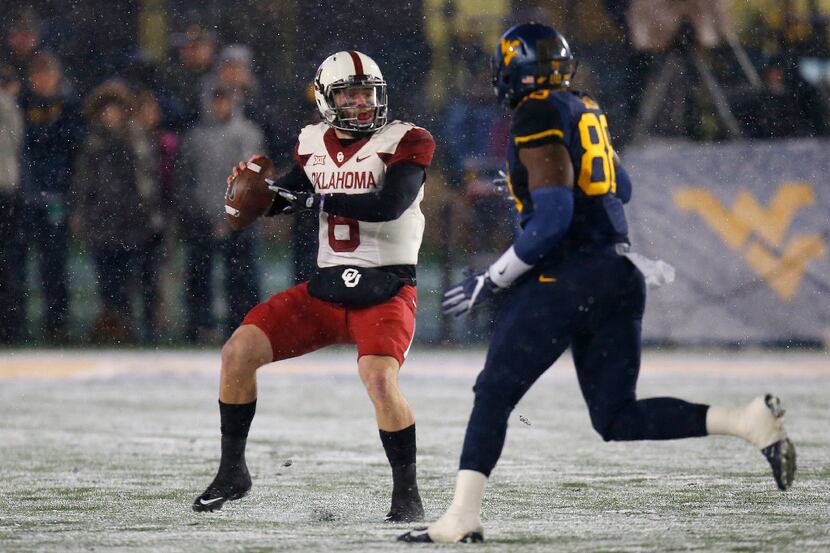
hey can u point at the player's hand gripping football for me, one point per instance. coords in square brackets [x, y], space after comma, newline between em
[298, 201]
[247, 196]
[474, 290]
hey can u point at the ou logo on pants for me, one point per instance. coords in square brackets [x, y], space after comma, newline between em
[351, 277]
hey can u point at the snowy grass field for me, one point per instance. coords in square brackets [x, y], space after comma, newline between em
[105, 451]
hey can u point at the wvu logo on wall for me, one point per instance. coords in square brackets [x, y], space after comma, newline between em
[760, 234]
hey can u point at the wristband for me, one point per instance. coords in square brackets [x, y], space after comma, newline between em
[507, 268]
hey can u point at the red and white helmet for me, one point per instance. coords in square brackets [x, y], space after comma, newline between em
[344, 70]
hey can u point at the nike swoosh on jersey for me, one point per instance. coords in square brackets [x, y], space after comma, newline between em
[359, 159]
[543, 278]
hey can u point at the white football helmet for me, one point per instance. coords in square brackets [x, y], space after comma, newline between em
[338, 74]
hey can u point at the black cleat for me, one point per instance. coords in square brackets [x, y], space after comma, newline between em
[421, 535]
[223, 489]
[781, 457]
[781, 452]
[406, 509]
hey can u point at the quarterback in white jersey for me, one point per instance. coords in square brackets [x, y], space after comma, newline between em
[365, 176]
[360, 168]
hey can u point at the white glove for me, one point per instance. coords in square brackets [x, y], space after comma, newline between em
[656, 272]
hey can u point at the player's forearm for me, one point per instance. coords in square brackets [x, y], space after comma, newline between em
[400, 188]
[295, 180]
[624, 186]
[552, 214]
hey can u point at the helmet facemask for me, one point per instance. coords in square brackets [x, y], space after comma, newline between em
[355, 104]
[556, 63]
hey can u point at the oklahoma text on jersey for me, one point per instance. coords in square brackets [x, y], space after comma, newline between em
[338, 181]
[359, 167]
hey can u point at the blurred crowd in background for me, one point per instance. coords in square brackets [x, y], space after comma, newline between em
[120, 120]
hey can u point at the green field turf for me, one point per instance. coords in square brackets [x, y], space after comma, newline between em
[106, 451]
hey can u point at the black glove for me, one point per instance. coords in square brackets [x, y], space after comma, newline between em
[477, 288]
[299, 201]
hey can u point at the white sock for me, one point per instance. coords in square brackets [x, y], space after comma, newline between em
[754, 423]
[724, 420]
[463, 515]
[469, 490]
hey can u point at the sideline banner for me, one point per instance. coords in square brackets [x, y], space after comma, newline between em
[747, 226]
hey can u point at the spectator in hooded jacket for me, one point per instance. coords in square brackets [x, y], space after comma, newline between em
[155, 149]
[115, 209]
[53, 133]
[220, 140]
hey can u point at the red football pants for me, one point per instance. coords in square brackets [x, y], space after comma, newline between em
[297, 323]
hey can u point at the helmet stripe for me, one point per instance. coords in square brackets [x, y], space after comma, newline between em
[358, 65]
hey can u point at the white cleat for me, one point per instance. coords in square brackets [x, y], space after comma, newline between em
[761, 422]
[452, 527]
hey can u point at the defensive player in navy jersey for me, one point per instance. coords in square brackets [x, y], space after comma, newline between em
[568, 281]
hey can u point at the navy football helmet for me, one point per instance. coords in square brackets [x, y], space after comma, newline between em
[529, 57]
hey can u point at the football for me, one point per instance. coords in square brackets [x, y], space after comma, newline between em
[248, 197]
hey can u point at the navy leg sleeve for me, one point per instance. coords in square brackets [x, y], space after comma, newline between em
[524, 344]
[607, 360]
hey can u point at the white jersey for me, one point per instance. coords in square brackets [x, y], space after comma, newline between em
[360, 168]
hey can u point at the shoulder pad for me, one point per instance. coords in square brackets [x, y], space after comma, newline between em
[415, 146]
[538, 120]
[310, 137]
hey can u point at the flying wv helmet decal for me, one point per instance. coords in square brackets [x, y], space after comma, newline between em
[529, 57]
[508, 49]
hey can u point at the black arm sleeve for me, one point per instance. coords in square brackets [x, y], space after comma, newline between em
[400, 188]
[295, 180]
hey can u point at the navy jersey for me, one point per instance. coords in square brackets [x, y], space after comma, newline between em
[576, 121]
